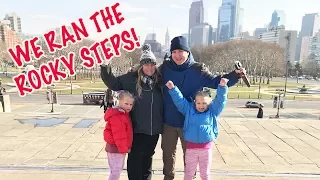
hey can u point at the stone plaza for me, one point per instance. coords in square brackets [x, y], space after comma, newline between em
[68, 144]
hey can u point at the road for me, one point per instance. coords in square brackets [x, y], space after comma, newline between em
[41, 98]
[77, 99]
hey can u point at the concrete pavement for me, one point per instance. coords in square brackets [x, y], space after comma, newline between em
[246, 148]
[76, 175]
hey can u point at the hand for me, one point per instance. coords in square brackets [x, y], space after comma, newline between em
[109, 69]
[106, 62]
[241, 71]
[170, 84]
[223, 82]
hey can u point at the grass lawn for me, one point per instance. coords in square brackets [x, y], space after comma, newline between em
[85, 83]
[12, 69]
[68, 91]
[6, 79]
[236, 92]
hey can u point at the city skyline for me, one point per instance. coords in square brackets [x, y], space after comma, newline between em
[147, 18]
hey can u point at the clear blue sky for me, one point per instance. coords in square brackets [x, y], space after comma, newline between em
[39, 16]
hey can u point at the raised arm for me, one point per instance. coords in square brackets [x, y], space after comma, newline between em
[209, 80]
[219, 102]
[181, 103]
[112, 82]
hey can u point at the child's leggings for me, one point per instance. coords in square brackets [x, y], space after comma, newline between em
[195, 156]
[116, 163]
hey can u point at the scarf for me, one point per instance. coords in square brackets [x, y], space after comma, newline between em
[147, 80]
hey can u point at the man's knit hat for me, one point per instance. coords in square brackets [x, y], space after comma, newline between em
[179, 42]
[147, 57]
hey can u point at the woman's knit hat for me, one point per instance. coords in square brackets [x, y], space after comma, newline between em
[147, 57]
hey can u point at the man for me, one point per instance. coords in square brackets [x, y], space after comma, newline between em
[2, 92]
[190, 77]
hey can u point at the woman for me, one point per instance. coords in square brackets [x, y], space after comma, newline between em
[147, 113]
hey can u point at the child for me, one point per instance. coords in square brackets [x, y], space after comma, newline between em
[118, 134]
[200, 126]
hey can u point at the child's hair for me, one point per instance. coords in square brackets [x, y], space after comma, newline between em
[202, 93]
[123, 94]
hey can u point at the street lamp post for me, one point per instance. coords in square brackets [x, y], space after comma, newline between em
[287, 37]
[285, 84]
[279, 92]
[70, 84]
[52, 86]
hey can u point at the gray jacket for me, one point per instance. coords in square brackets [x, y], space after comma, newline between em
[147, 112]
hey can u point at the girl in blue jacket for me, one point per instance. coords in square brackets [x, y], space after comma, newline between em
[200, 126]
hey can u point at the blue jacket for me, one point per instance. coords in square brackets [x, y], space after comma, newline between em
[190, 77]
[200, 127]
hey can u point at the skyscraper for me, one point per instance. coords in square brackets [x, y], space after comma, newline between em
[309, 27]
[229, 20]
[286, 40]
[196, 15]
[278, 18]
[240, 25]
[151, 37]
[167, 40]
[15, 22]
[258, 31]
[201, 35]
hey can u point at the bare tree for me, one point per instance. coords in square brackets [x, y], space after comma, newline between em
[134, 56]
[311, 67]
[4, 57]
[261, 59]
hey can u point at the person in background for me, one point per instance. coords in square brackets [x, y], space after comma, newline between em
[260, 112]
[2, 92]
[108, 100]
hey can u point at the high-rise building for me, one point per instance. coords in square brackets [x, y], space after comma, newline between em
[278, 19]
[244, 36]
[167, 40]
[315, 47]
[196, 15]
[240, 25]
[309, 27]
[201, 35]
[8, 36]
[151, 37]
[15, 22]
[229, 20]
[285, 38]
[214, 35]
[305, 48]
[310, 47]
[258, 31]
[155, 46]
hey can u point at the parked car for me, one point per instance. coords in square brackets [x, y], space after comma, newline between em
[252, 104]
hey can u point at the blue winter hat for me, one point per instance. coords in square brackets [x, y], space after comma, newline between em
[179, 42]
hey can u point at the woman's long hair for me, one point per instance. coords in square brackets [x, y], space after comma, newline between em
[155, 77]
